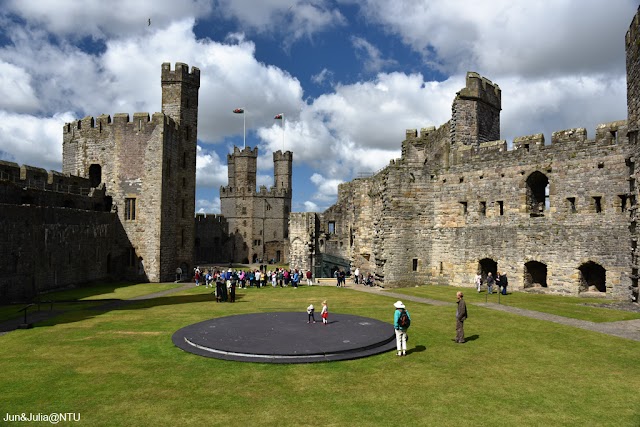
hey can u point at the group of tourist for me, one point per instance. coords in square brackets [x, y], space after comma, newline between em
[499, 280]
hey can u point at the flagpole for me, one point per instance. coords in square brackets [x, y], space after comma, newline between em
[244, 129]
[283, 133]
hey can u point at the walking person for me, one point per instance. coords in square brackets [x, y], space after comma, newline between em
[504, 282]
[461, 316]
[478, 281]
[401, 323]
[325, 313]
[490, 282]
[309, 278]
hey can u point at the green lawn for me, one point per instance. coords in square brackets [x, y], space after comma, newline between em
[120, 368]
[566, 306]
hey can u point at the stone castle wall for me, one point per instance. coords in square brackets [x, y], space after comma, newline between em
[558, 216]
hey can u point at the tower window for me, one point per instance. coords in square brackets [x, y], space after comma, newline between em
[332, 227]
[130, 209]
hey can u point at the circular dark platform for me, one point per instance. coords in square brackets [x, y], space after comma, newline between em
[286, 338]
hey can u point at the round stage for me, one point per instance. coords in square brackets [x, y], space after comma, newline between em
[286, 338]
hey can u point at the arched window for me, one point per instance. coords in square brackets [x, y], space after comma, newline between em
[537, 194]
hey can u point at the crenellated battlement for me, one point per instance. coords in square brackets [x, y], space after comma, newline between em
[141, 123]
[244, 152]
[180, 74]
[34, 177]
[210, 218]
[481, 88]
[634, 29]
[273, 192]
[280, 156]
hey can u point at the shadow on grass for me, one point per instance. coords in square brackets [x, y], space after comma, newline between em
[417, 349]
[472, 338]
[79, 314]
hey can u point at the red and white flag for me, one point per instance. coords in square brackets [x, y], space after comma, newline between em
[239, 110]
[279, 116]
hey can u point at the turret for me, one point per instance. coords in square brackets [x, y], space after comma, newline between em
[244, 168]
[475, 112]
[282, 169]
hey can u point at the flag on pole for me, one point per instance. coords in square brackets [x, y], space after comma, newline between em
[278, 116]
[239, 110]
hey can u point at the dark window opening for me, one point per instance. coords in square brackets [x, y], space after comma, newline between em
[461, 180]
[600, 165]
[465, 208]
[537, 194]
[501, 207]
[130, 209]
[572, 204]
[623, 202]
[414, 266]
[483, 208]
[95, 175]
[597, 204]
[535, 274]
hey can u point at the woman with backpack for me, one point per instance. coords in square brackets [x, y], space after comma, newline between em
[401, 323]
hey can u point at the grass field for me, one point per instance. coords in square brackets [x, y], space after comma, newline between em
[120, 368]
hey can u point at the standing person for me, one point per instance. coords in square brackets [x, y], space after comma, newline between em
[219, 286]
[343, 278]
[504, 282]
[295, 279]
[324, 313]
[498, 284]
[310, 311]
[274, 278]
[336, 275]
[356, 275]
[309, 278]
[232, 287]
[490, 282]
[280, 277]
[401, 323]
[478, 281]
[196, 277]
[257, 275]
[461, 316]
[178, 274]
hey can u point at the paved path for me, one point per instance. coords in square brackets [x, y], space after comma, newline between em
[629, 329]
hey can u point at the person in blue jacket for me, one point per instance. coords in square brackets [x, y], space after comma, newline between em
[401, 322]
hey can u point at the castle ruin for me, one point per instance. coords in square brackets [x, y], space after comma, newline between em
[556, 216]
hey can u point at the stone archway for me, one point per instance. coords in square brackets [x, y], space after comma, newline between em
[485, 266]
[535, 274]
[593, 277]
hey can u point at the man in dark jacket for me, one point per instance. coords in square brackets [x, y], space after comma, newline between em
[504, 283]
[461, 316]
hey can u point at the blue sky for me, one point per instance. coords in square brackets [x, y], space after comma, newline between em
[350, 76]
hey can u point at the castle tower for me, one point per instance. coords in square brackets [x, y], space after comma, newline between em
[243, 166]
[632, 47]
[180, 102]
[475, 111]
[282, 169]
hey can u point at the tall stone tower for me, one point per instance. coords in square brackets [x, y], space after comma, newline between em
[180, 102]
[475, 111]
[147, 165]
[258, 221]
